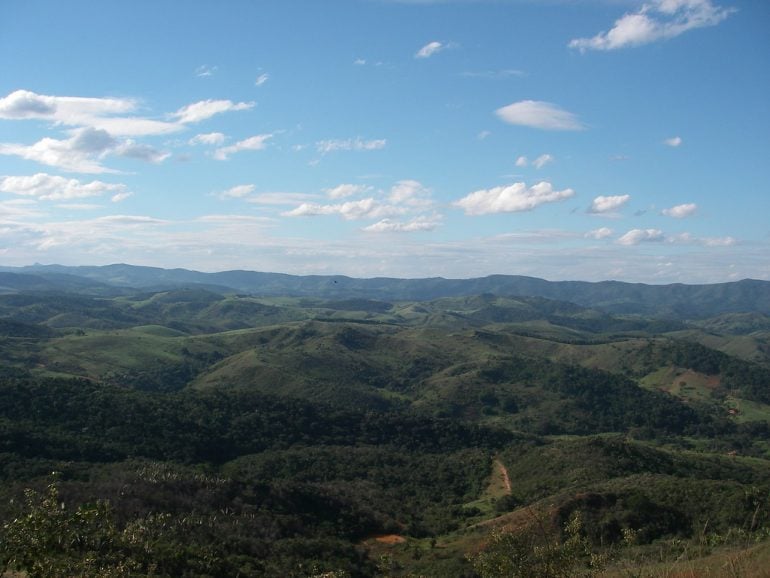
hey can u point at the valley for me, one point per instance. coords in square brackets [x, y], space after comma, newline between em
[211, 431]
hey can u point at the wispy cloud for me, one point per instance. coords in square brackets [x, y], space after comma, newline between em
[538, 114]
[493, 74]
[346, 190]
[254, 143]
[430, 49]
[421, 223]
[674, 141]
[236, 192]
[511, 199]
[205, 70]
[204, 109]
[209, 138]
[543, 160]
[262, 79]
[410, 193]
[354, 144]
[657, 20]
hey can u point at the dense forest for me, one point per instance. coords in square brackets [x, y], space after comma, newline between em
[197, 431]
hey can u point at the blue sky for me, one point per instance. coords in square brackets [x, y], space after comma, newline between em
[560, 139]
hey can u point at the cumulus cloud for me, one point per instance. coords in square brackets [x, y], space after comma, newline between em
[603, 205]
[80, 153]
[204, 109]
[656, 20]
[421, 223]
[54, 188]
[98, 113]
[636, 236]
[368, 208]
[511, 199]
[674, 141]
[254, 143]
[601, 233]
[356, 144]
[539, 114]
[83, 151]
[209, 138]
[681, 211]
[430, 49]
[346, 190]
[522, 161]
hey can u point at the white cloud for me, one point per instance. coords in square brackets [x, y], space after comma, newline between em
[80, 153]
[120, 197]
[601, 233]
[636, 236]
[681, 211]
[411, 193]
[356, 144]
[538, 114]
[83, 151]
[483, 134]
[142, 152]
[236, 192]
[233, 219]
[430, 49]
[674, 141]
[346, 190]
[254, 143]
[542, 160]
[421, 223]
[512, 198]
[280, 198]
[209, 138]
[359, 62]
[205, 70]
[522, 161]
[656, 20]
[718, 241]
[97, 113]
[54, 188]
[262, 79]
[608, 204]
[204, 109]
[504, 73]
[367, 208]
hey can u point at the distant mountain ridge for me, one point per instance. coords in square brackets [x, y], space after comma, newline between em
[674, 300]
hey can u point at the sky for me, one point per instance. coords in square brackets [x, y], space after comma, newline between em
[567, 140]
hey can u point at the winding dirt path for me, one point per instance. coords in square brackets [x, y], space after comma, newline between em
[503, 471]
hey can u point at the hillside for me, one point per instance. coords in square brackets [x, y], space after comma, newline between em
[293, 435]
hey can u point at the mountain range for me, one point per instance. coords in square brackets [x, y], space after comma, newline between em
[677, 301]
